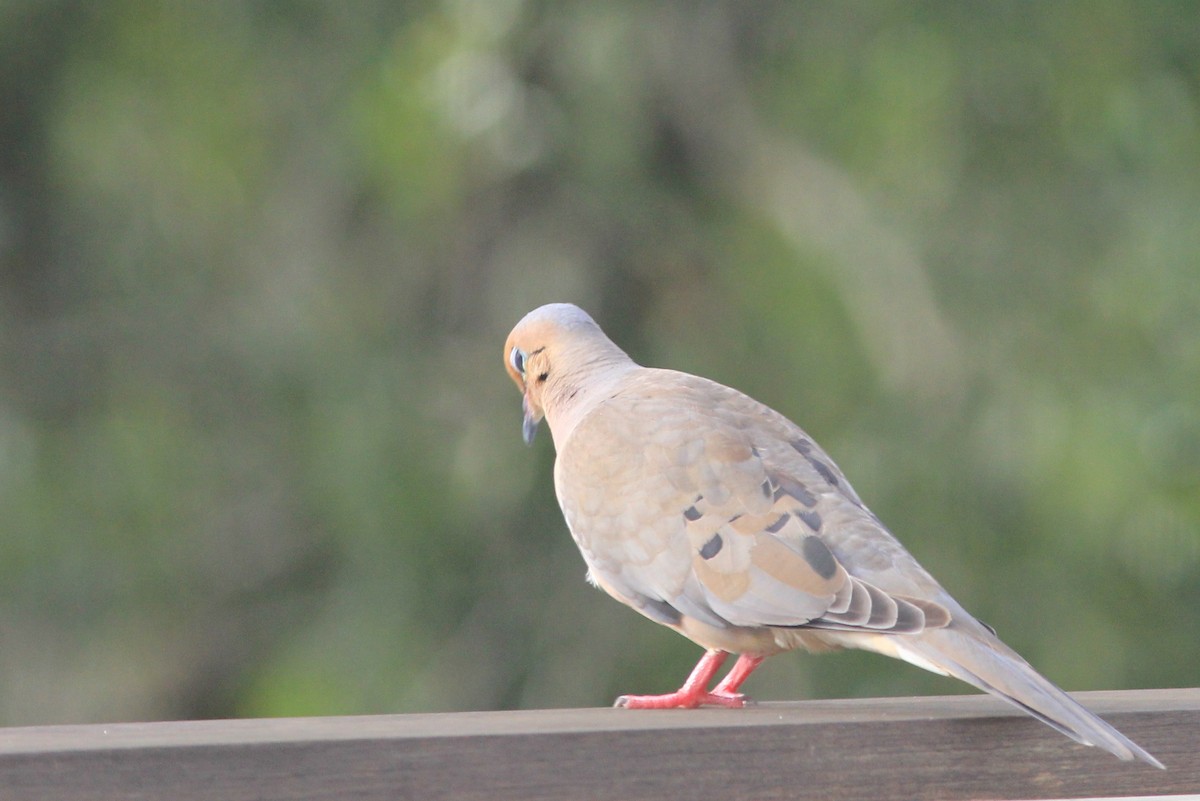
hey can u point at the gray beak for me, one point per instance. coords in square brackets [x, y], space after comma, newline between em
[529, 426]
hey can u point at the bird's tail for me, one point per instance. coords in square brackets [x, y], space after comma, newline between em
[984, 661]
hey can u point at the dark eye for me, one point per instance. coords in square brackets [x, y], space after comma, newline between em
[516, 358]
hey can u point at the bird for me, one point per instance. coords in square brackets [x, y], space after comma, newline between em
[714, 515]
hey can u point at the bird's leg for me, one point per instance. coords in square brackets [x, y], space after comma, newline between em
[740, 671]
[694, 691]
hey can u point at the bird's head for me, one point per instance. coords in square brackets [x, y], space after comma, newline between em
[551, 355]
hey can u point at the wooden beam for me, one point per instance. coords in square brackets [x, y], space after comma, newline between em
[948, 747]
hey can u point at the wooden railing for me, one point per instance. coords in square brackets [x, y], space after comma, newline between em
[909, 748]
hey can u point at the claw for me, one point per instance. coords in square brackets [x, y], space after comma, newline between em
[682, 700]
[694, 692]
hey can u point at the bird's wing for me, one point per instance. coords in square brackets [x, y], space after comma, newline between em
[682, 500]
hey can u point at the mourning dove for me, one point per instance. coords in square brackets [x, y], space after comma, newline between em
[716, 516]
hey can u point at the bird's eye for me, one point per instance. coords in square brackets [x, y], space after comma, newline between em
[516, 358]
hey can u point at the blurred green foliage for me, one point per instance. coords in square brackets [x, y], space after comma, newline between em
[258, 453]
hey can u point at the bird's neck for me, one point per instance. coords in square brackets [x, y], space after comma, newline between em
[570, 397]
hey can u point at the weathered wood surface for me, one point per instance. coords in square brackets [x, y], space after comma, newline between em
[951, 747]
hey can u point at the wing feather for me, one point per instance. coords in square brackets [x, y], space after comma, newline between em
[733, 526]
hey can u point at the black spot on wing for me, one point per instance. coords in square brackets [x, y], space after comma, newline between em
[712, 547]
[691, 513]
[805, 448]
[766, 488]
[824, 470]
[778, 524]
[794, 489]
[811, 519]
[819, 557]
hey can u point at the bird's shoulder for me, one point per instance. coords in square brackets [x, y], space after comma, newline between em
[655, 419]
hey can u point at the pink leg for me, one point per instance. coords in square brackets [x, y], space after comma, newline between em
[692, 694]
[694, 691]
[739, 673]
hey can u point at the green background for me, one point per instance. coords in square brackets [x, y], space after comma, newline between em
[258, 452]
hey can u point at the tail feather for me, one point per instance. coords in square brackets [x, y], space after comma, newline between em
[985, 662]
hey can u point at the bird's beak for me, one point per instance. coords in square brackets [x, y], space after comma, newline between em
[530, 425]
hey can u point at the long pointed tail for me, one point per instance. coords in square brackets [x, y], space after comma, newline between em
[986, 662]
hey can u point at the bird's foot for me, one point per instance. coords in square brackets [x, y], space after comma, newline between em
[695, 692]
[683, 699]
